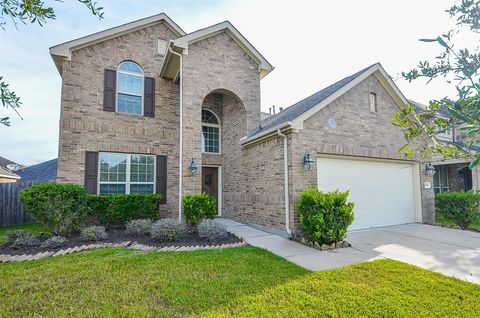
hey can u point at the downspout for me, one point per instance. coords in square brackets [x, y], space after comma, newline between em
[285, 173]
[180, 163]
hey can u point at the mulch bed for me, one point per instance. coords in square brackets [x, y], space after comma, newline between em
[118, 235]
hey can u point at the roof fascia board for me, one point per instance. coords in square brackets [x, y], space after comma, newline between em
[65, 49]
[9, 176]
[247, 140]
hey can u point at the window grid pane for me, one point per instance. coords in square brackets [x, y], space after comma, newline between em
[142, 169]
[113, 167]
[112, 188]
[129, 104]
[211, 138]
[141, 188]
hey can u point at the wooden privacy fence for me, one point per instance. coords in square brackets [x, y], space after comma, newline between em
[11, 208]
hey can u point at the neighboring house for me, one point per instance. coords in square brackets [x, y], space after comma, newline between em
[144, 103]
[8, 176]
[451, 174]
[7, 170]
[41, 172]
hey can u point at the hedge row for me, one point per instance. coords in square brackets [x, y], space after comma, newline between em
[63, 207]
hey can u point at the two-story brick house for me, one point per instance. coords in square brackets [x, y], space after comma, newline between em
[144, 103]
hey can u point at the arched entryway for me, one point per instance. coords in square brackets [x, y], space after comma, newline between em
[224, 122]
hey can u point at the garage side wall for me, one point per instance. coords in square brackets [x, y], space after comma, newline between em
[358, 133]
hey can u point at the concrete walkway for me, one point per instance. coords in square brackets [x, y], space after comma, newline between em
[447, 251]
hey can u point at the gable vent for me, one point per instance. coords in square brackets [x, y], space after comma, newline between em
[161, 47]
[373, 103]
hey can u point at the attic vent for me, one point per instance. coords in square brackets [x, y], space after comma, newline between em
[373, 103]
[162, 47]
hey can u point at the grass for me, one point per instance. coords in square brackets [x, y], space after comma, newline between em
[237, 282]
[35, 229]
[440, 219]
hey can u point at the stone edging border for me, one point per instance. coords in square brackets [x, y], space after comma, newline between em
[6, 258]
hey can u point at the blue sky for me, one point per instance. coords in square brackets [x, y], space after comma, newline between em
[310, 43]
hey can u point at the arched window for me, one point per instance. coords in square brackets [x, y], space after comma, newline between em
[130, 88]
[210, 132]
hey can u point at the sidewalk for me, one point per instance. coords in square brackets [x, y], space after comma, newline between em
[294, 252]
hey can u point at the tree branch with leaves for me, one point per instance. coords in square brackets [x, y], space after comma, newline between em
[28, 12]
[460, 68]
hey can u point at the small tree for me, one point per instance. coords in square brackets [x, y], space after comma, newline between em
[460, 68]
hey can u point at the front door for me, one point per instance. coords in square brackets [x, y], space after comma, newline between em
[210, 182]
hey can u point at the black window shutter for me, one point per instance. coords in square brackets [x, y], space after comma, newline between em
[149, 97]
[161, 182]
[109, 90]
[91, 171]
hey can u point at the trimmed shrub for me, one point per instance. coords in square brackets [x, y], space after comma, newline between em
[197, 207]
[168, 230]
[139, 227]
[60, 207]
[21, 239]
[324, 217]
[211, 230]
[53, 242]
[94, 233]
[462, 208]
[121, 208]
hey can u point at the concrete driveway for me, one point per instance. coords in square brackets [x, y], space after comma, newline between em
[447, 251]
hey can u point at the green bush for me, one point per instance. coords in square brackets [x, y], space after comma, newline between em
[60, 207]
[122, 208]
[197, 207]
[324, 217]
[462, 208]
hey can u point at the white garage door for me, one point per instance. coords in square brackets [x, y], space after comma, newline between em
[383, 192]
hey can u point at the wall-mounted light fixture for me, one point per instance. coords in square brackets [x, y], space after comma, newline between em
[307, 161]
[193, 168]
[430, 169]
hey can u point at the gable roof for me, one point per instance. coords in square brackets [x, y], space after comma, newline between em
[181, 44]
[64, 51]
[42, 172]
[294, 115]
[4, 162]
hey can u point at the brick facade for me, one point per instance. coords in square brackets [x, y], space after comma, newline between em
[85, 126]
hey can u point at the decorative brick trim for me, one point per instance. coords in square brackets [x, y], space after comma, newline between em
[6, 258]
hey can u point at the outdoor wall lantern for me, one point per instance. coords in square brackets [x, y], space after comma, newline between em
[193, 168]
[430, 169]
[307, 161]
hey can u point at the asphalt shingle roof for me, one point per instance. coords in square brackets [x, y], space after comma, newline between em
[42, 172]
[292, 112]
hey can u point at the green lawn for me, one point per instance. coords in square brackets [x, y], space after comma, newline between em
[36, 229]
[237, 282]
[440, 219]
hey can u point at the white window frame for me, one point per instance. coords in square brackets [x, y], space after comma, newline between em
[127, 182]
[117, 91]
[219, 134]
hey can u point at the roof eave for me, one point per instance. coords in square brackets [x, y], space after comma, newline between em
[63, 51]
[245, 140]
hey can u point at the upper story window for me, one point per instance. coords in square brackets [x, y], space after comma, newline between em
[210, 132]
[130, 88]
[373, 103]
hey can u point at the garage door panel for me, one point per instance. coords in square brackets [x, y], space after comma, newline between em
[382, 191]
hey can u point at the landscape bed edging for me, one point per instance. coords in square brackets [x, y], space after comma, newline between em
[6, 258]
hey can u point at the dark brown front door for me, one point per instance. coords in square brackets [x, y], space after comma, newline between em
[210, 182]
